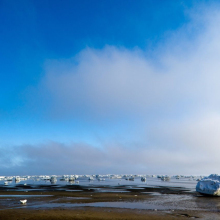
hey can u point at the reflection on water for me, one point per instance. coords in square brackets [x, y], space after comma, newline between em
[129, 205]
[164, 202]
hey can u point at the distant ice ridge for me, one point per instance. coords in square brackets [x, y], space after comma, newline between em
[209, 185]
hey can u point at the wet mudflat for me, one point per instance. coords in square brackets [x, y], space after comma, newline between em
[106, 202]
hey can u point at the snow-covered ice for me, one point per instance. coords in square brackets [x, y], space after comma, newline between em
[209, 185]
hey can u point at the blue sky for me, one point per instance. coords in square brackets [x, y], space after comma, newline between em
[116, 79]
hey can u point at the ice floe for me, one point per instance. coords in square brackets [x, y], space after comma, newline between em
[209, 185]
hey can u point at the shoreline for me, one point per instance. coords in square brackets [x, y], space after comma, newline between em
[105, 202]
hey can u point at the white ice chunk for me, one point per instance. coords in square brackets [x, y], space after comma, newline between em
[209, 185]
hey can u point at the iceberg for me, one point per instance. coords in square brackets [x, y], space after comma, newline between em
[209, 185]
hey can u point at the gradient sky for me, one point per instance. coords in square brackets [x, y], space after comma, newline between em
[102, 86]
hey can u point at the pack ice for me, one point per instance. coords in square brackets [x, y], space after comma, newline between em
[209, 185]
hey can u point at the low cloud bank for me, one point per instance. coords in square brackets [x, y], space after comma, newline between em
[57, 158]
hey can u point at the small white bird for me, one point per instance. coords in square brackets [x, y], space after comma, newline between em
[23, 201]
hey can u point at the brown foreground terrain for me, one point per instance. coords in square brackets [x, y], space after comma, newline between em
[90, 213]
[52, 204]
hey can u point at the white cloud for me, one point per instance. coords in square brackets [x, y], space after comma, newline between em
[113, 80]
[173, 97]
[56, 158]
